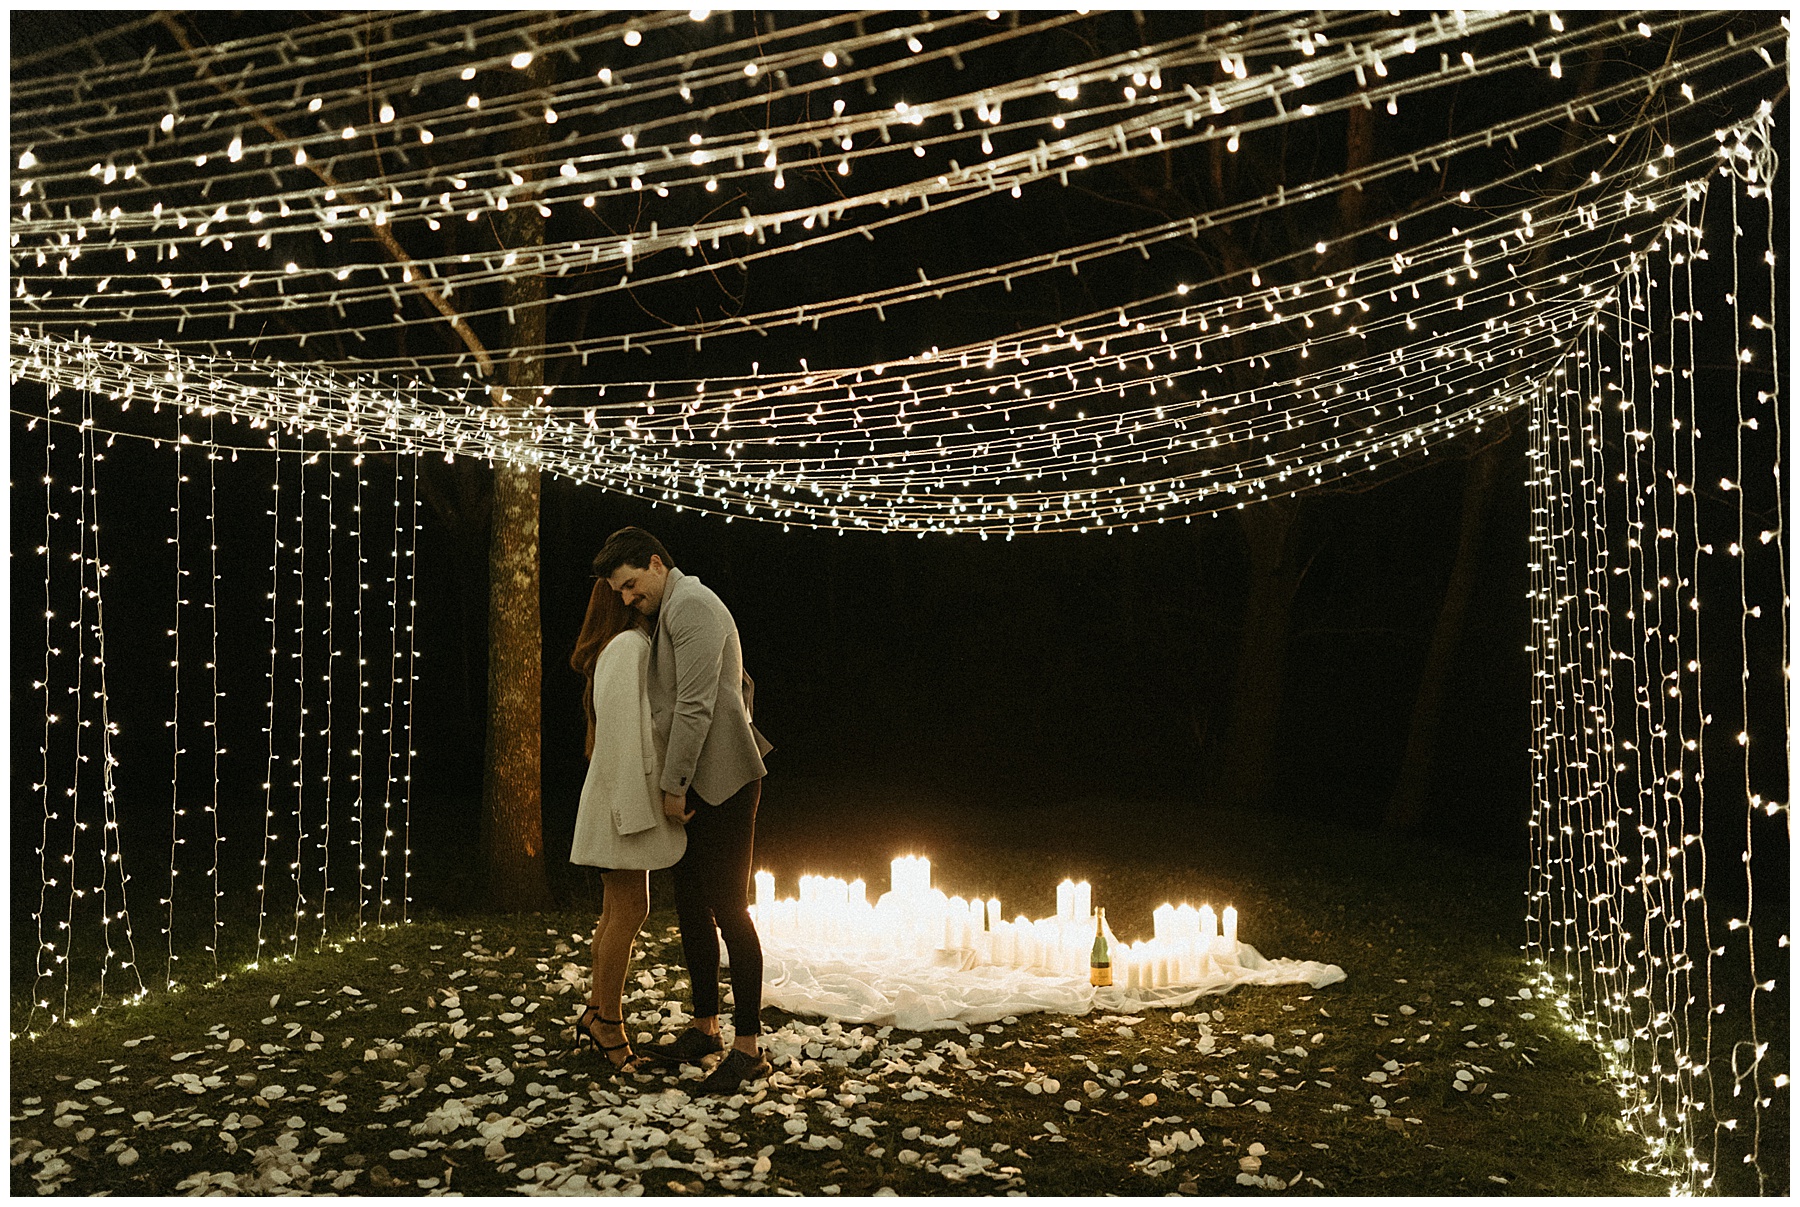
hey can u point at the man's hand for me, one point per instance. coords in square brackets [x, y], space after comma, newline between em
[675, 805]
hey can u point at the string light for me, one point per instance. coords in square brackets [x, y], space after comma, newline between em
[299, 865]
[1563, 309]
[412, 679]
[95, 926]
[269, 835]
[394, 704]
[327, 728]
[212, 666]
[359, 840]
[1620, 907]
[111, 871]
[174, 722]
[45, 959]
[558, 258]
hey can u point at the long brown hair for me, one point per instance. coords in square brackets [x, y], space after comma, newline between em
[607, 617]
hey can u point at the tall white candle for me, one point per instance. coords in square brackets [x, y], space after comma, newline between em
[1209, 928]
[765, 893]
[1084, 899]
[993, 912]
[1162, 920]
[1065, 899]
[1231, 923]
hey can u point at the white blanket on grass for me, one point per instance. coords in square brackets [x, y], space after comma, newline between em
[932, 993]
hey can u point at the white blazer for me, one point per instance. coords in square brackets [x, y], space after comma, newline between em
[620, 822]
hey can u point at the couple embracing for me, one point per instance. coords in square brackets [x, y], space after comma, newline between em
[674, 777]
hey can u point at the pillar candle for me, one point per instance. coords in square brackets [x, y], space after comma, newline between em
[765, 893]
[1162, 920]
[993, 912]
[1084, 899]
[859, 893]
[1065, 899]
[1209, 928]
[1231, 923]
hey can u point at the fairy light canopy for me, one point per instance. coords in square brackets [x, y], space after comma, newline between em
[998, 273]
[976, 272]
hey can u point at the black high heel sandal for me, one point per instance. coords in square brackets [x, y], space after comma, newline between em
[584, 1029]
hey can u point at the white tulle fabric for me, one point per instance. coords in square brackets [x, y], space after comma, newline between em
[942, 991]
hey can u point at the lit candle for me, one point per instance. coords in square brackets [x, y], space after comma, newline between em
[1162, 920]
[765, 893]
[993, 912]
[1084, 899]
[1065, 899]
[859, 893]
[1209, 929]
[1231, 929]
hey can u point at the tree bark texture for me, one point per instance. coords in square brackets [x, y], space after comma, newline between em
[1242, 773]
[512, 780]
[1406, 808]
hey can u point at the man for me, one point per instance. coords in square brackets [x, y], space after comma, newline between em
[700, 706]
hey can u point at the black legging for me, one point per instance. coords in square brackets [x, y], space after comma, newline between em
[712, 883]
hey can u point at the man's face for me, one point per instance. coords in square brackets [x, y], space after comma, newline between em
[641, 587]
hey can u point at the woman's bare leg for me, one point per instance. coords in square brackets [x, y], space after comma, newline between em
[623, 909]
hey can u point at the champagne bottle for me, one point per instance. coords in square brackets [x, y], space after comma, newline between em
[1100, 963]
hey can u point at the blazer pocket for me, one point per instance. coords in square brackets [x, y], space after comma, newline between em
[634, 818]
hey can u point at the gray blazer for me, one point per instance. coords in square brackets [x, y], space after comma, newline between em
[700, 697]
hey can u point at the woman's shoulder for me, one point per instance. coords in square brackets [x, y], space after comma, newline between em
[630, 643]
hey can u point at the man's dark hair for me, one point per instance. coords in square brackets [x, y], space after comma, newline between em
[629, 547]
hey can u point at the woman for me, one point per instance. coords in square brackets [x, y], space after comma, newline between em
[620, 827]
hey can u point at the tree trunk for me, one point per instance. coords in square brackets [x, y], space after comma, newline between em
[512, 780]
[1242, 773]
[1406, 808]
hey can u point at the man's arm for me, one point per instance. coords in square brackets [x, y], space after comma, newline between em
[698, 637]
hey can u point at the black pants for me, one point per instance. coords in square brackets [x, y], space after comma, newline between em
[712, 885]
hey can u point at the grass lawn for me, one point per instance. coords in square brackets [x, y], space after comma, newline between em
[434, 1057]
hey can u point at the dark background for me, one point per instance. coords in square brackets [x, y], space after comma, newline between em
[1024, 670]
[998, 674]
[1005, 673]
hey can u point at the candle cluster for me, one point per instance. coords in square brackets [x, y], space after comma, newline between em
[1182, 938]
[913, 918]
